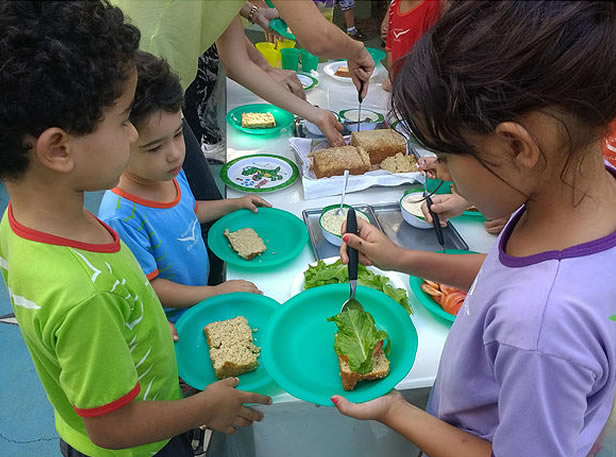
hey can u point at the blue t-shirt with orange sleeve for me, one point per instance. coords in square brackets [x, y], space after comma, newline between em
[165, 237]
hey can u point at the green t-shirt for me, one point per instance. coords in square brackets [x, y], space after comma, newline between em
[94, 327]
[180, 30]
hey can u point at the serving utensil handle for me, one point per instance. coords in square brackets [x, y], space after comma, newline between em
[351, 227]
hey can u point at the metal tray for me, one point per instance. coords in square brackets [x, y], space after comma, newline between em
[320, 246]
[405, 235]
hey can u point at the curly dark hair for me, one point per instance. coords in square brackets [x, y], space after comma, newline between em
[158, 88]
[61, 63]
[488, 62]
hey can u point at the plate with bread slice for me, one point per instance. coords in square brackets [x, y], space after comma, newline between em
[259, 119]
[221, 337]
[339, 70]
[313, 350]
[261, 240]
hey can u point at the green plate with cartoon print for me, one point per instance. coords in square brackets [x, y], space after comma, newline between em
[259, 173]
[426, 300]
[192, 350]
[283, 118]
[298, 350]
[285, 235]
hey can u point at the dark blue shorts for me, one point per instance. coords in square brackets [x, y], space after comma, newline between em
[178, 446]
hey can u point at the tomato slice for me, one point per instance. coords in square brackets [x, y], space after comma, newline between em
[453, 301]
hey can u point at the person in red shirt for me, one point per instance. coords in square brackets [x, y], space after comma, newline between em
[408, 20]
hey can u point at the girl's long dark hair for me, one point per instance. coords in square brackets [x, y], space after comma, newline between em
[487, 62]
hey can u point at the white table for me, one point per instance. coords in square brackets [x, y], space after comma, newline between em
[292, 425]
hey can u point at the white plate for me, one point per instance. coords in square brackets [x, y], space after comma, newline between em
[394, 280]
[309, 82]
[330, 70]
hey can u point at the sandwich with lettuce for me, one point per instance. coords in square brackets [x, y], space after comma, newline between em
[362, 349]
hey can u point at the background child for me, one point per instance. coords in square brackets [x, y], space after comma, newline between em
[408, 20]
[93, 325]
[153, 208]
[529, 366]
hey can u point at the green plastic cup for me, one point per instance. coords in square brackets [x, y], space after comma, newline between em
[290, 58]
[309, 62]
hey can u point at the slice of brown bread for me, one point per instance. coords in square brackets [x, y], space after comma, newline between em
[232, 351]
[333, 161]
[380, 369]
[246, 242]
[379, 144]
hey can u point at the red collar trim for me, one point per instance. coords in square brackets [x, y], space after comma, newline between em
[151, 203]
[42, 237]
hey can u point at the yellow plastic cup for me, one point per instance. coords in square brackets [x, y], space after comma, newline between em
[269, 51]
[284, 44]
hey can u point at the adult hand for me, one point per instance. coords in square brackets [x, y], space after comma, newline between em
[373, 246]
[237, 285]
[361, 67]
[494, 226]
[252, 202]
[433, 168]
[289, 80]
[377, 409]
[225, 406]
[445, 206]
[264, 16]
[329, 126]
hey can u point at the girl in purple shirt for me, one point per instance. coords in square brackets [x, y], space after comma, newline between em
[515, 97]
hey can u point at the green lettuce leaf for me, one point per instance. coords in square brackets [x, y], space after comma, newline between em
[357, 337]
[321, 274]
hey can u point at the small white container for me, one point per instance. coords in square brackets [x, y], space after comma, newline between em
[371, 119]
[335, 238]
[411, 210]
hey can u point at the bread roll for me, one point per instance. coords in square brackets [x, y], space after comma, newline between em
[333, 161]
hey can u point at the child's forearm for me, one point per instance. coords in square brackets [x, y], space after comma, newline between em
[174, 295]
[210, 210]
[142, 422]
[434, 436]
[454, 270]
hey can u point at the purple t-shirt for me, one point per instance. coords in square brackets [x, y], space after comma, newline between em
[530, 362]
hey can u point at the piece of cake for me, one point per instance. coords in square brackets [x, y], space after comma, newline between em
[246, 242]
[232, 350]
[258, 120]
[379, 144]
[333, 161]
[343, 71]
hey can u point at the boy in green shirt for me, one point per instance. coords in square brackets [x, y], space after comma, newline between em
[92, 323]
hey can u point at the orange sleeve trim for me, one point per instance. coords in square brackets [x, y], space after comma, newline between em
[151, 203]
[152, 275]
[109, 407]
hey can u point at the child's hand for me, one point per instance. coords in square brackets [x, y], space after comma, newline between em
[252, 202]
[377, 409]
[445, 206]
[372, 245]
[174, 332]
[387, 85]
[225, 408]
[237, 285]
[494, 226]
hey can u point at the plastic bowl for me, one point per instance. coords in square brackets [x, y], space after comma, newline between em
[415, 221]
[334, 238]
[314, 128]
[348, 117]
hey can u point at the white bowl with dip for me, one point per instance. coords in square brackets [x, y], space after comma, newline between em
[410, 207]
[369, 119]
[331, 223]
[314, 128]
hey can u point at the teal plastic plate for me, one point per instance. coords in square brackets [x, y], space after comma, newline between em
[426, 300]
[377, 54]
[283, 118]
[298, 350]
[280, 27]
[284, 235]
[192, 350]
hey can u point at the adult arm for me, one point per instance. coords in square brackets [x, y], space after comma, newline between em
[240, 68]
